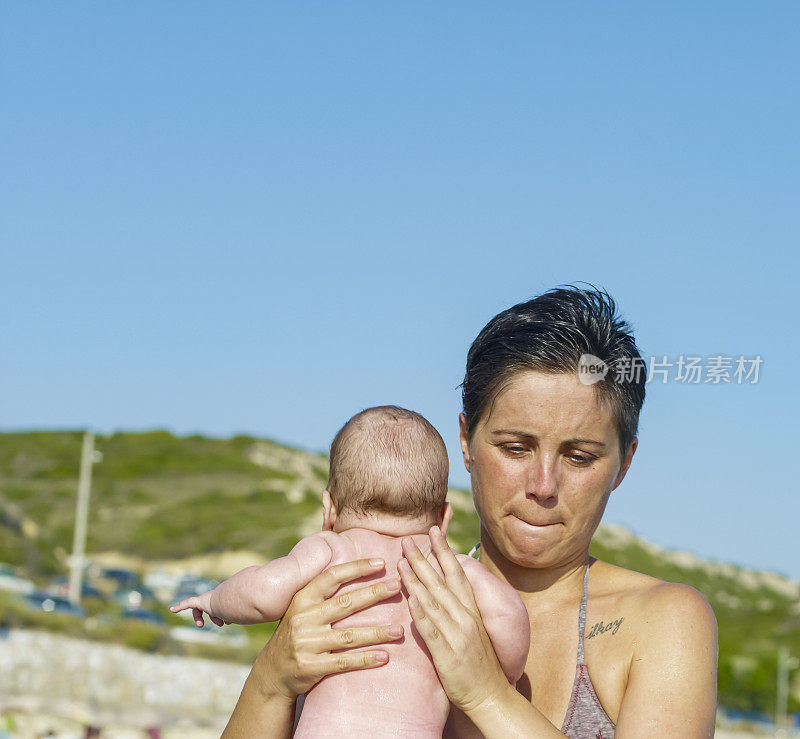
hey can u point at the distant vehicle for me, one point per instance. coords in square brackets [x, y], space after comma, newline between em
[191, 585]
[197, 583]
[89, 591]
[124, 579]
[142, 614]
[60, 586]
[12, 583]
[53, 604]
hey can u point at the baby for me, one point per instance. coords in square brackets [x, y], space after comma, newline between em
[388, 479]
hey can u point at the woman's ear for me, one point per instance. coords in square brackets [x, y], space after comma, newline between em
[328, 511]
[626, 463]
[444, 518]
[463, 436]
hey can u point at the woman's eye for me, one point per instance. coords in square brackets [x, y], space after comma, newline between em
[580, 459]
[513, 449]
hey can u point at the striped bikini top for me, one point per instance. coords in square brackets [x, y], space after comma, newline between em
[586, 718]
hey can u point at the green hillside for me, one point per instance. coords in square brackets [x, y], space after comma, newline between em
[157, 496]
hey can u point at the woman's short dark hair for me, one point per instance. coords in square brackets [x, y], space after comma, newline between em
[550, 334]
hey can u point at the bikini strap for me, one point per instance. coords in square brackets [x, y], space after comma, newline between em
[582, 615]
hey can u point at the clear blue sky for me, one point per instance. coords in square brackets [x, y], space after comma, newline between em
[263, 217]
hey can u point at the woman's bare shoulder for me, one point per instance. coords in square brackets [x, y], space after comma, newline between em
[655, 601]
[667, 654]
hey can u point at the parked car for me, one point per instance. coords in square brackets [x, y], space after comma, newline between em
[196, 583]
[53, 604]
[193, 585]
[60, 586]
[142, 614]
[11, 582]
[124, 579]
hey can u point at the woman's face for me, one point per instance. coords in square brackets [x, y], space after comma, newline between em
[544, 461]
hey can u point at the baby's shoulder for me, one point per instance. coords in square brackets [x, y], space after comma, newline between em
[343, 546]
[485, 585]
[320, 545]
[474, 570]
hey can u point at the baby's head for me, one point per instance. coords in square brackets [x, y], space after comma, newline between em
[388, 472]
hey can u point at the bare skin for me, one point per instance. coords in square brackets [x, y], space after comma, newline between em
[405, 697]
[298, 654]
[540, 486]
[543, 463]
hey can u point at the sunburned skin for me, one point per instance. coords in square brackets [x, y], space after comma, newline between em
[404, 697]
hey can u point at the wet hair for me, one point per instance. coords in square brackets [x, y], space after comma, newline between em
[549, 334]
[388, 460]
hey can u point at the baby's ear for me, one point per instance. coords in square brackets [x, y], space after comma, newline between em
[444, 517]
[328, 511]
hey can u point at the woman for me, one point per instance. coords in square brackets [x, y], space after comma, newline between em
[613, 652]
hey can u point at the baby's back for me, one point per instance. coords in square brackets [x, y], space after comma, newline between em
[404, 697]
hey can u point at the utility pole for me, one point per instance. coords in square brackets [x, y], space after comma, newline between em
[785, 663]
[81, 514]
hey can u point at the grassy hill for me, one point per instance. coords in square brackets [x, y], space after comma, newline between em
[157, 496]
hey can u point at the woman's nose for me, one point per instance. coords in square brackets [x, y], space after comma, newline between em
[542, 481]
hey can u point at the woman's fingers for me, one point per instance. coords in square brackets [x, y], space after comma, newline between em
[429, 607]
[324, 585]
[363, 636]
[329, 664]
[461, 649]
[302, 649]
[428, 623]
[345, 604]
[447, 619]
[454, 574]
[437, 594]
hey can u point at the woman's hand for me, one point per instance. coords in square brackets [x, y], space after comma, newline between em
[448, 619]
[299, 653]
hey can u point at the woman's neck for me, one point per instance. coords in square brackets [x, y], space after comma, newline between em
[536, 585]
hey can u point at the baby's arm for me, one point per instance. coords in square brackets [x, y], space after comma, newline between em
[258, 594]
[504, 616]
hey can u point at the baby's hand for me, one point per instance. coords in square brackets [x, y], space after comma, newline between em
[199, 604]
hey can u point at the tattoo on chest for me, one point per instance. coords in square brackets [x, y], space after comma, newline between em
[601, 628]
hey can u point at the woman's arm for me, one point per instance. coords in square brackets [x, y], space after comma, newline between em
[298, 654]
[672, 681]
[262, 709]
[448, 619]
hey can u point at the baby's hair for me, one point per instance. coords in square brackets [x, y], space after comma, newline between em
[388, 460]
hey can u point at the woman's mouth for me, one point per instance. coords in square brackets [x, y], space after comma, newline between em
[536, 524]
